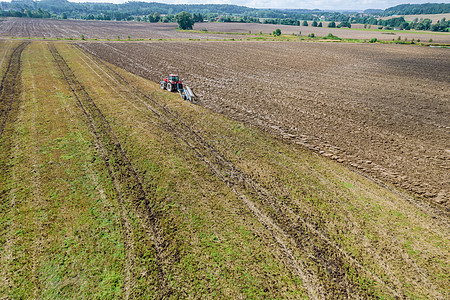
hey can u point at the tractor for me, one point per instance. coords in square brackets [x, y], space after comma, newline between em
[172, 83]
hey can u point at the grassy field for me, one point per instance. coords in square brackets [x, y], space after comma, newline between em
[433, 17]
[111, 187]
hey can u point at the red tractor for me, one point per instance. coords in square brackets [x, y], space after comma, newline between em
[172, 83]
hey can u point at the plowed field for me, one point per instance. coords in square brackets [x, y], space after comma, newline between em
[66, 29]
[383, 110]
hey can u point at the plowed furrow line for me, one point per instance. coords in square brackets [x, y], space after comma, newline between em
[127, 183]
[8, 87]
[288, 226]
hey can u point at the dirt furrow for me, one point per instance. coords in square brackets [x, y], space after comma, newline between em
[127, 184]
[8, 89]
[291, 230]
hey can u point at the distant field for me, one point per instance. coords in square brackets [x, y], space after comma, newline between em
[74, 29]
[434, 18]
[44, 28]
[357, 31]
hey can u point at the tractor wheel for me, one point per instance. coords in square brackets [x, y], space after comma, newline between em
[169, 87]
[162, 85]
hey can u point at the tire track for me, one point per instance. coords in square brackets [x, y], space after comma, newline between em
[291, 231]
[8, 89]
[9, 96]
[126, 181]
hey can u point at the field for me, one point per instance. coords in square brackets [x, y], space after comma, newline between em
[307, 170]
[356, 32]
[391, 116]
[434, 18]
[72, 29]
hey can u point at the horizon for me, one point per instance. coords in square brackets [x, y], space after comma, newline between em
[333, 5]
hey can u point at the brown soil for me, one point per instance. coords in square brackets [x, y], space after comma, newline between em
[381, 109]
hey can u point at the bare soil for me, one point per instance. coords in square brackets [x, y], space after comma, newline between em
[380, 109]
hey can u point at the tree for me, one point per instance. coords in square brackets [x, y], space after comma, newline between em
[156, 17]
[198, 17]
[314, 23]
[185, 20]
[277, 32]
[320, 24]
[64, 16]
[305, 23]
[345, 24]
[332, 24]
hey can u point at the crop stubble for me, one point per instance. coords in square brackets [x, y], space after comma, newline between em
[8, 87]
[382, 110]
[127, 184]
[10, 91]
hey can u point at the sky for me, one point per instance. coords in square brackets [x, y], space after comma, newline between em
[306, 4]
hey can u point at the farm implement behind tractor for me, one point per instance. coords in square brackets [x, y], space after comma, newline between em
[174, 84]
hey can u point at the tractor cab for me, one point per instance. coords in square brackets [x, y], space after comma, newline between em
[173, 78]
[172, 83]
